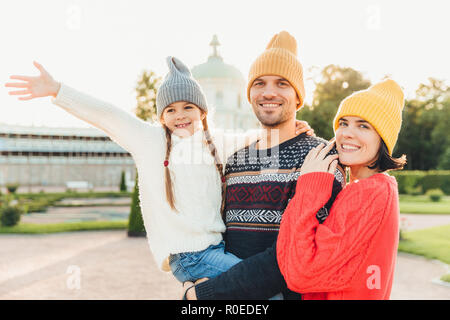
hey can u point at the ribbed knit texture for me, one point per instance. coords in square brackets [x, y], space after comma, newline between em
[279, 58]
[179, 85]
[381, 105]
[352, 254]
[197, 184]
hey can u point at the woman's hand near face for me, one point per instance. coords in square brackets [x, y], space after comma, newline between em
[318, 161]
[34, 87]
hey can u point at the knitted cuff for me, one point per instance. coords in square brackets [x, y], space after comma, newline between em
[64, 96]
[204, 291]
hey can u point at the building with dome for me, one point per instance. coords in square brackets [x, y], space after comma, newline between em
[39, 158]
[225, 90]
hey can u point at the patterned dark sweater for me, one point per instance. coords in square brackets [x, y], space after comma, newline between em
[260, 184]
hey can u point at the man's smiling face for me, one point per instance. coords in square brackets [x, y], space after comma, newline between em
[273, 100]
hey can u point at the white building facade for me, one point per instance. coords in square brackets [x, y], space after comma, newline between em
[59, 157]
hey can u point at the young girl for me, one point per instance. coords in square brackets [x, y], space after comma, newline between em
[352, 254]
[180, 168]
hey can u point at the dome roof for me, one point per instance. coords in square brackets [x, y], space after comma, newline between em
[215, 67]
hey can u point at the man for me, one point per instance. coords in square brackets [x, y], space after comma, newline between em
[261, 179]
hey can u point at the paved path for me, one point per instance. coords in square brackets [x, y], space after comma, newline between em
[413, 279]
[109, 265]
[422, 221]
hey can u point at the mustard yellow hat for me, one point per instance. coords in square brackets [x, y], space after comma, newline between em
[279, 58]
[381, 105]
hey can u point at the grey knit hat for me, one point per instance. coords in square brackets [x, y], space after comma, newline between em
[179, 85]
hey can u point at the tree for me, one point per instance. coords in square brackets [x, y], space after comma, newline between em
[424, 136]
[333, 85]
[146, 89]
[135, 222]
[12, 187]
[123, 184]
[444, 162]
[10, 216]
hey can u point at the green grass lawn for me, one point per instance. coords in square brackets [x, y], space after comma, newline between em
[446, 277]
[32, 228]
[432, 243]
[423, 205]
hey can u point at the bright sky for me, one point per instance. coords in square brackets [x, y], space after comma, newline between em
[100, 46]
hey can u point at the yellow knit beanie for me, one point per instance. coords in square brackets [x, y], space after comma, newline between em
[279, 58]
[381, 105]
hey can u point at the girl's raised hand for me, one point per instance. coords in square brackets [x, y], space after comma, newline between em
[318, 161]
[34, 87]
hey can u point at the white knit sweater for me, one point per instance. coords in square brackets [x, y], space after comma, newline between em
[197, 185]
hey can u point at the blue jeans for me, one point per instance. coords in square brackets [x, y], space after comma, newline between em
[209, 263]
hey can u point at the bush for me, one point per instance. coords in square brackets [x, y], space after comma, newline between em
[10, 216]
[436, 179]
[123, 185]
[446, 277]
[417, 191]
[12, 187]
[417, 182]
[435, 195]
[40, 205]
[444, 163]
[408, 181]
[136, 226]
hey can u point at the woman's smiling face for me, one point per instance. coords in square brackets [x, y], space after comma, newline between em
[182, 118]
[357, 142]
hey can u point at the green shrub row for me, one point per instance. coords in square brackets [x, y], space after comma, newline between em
[419, 182]
[74, 194]
[39, 202]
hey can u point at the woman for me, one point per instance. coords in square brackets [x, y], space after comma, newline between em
[352, 254]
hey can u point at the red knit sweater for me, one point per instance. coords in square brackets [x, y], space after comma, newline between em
[352, 254]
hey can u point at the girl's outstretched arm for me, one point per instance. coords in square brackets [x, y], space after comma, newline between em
[121, 126]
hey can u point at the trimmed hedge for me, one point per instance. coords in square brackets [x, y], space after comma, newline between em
[39, 202]
[136, 226]
[10, 216]
[414, 181]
